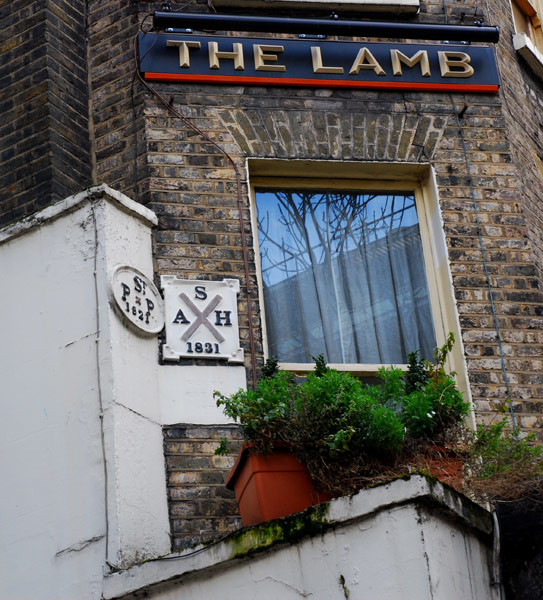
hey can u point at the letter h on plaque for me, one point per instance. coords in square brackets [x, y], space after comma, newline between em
[201, 319]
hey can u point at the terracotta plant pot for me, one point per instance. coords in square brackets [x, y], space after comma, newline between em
[271, 486]
[446, 465]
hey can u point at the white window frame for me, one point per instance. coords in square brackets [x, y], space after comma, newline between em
[373, 177]
[527, 17]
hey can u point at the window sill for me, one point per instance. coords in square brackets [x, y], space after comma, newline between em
[366, 6]
[357, 370]
[526, 48]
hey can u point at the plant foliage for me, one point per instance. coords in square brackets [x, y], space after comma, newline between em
[503, 465]
[344, 430]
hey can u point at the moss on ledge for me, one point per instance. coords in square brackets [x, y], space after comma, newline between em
[286, 530]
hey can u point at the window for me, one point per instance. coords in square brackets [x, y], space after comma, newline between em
[369, 212]
[528, 41]
[354, 268]
[343, 275]
[527, 17]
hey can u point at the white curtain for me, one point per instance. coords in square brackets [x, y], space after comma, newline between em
[343, 276]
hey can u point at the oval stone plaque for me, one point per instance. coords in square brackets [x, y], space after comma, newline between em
[137, 299]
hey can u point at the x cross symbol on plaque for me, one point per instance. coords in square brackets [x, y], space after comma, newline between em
[201, 317]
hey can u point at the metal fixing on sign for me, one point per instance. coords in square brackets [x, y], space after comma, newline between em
[201, 319]
[137, 299]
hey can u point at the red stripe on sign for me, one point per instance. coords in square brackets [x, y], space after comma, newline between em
[346, 83]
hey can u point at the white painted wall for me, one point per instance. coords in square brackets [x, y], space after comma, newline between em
[186, 393]
[408, 540]
[400, 554]
[79, 393]
[52, 500]
[84, 401]
[138, 526]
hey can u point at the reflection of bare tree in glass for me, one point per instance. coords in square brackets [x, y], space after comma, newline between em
[320, 226]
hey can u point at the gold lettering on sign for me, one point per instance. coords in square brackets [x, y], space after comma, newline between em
[260, 57]
[420, 57]
[236, 55]
[365, 60]
[318, 67]
[184, 59]
[455, 64]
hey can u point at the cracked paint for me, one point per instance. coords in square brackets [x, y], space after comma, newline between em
[80, 545]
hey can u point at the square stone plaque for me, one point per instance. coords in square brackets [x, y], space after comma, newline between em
[201, 319]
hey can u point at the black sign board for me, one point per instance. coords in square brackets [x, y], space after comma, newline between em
[317, 63]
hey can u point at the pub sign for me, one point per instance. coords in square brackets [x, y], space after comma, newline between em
[316, 63]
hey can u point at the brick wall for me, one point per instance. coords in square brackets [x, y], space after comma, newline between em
[191, 189]
[191, 185]
[201, 508]
[44, 136]
[522, 105]
[522, 93]
[199, 228]
[116, 104]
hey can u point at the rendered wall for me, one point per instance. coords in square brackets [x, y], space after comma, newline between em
[84, 402]
[404, 553]
[52, 514]
[82, 461]
[410, 539]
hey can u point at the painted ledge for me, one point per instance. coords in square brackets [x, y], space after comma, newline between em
[313, 521]
[62, 207]
[526, 48]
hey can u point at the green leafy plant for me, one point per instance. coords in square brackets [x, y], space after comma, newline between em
[335, 415]
[320, 365]
[417, 373]
[264, 413]
[426, 398]
[433, 409]
[222, 448]
[270, 367]
[436, 370]
[503, 465]
[347, 432]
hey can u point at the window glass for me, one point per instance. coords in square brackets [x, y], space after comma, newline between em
[343, 275]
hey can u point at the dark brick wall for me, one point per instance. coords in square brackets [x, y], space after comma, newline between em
[191, 187]
[522, 106]
[44, 136]
[522, 93]
[118, 130]
[201, 508]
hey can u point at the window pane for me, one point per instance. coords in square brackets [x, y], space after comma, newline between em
[343, 275]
